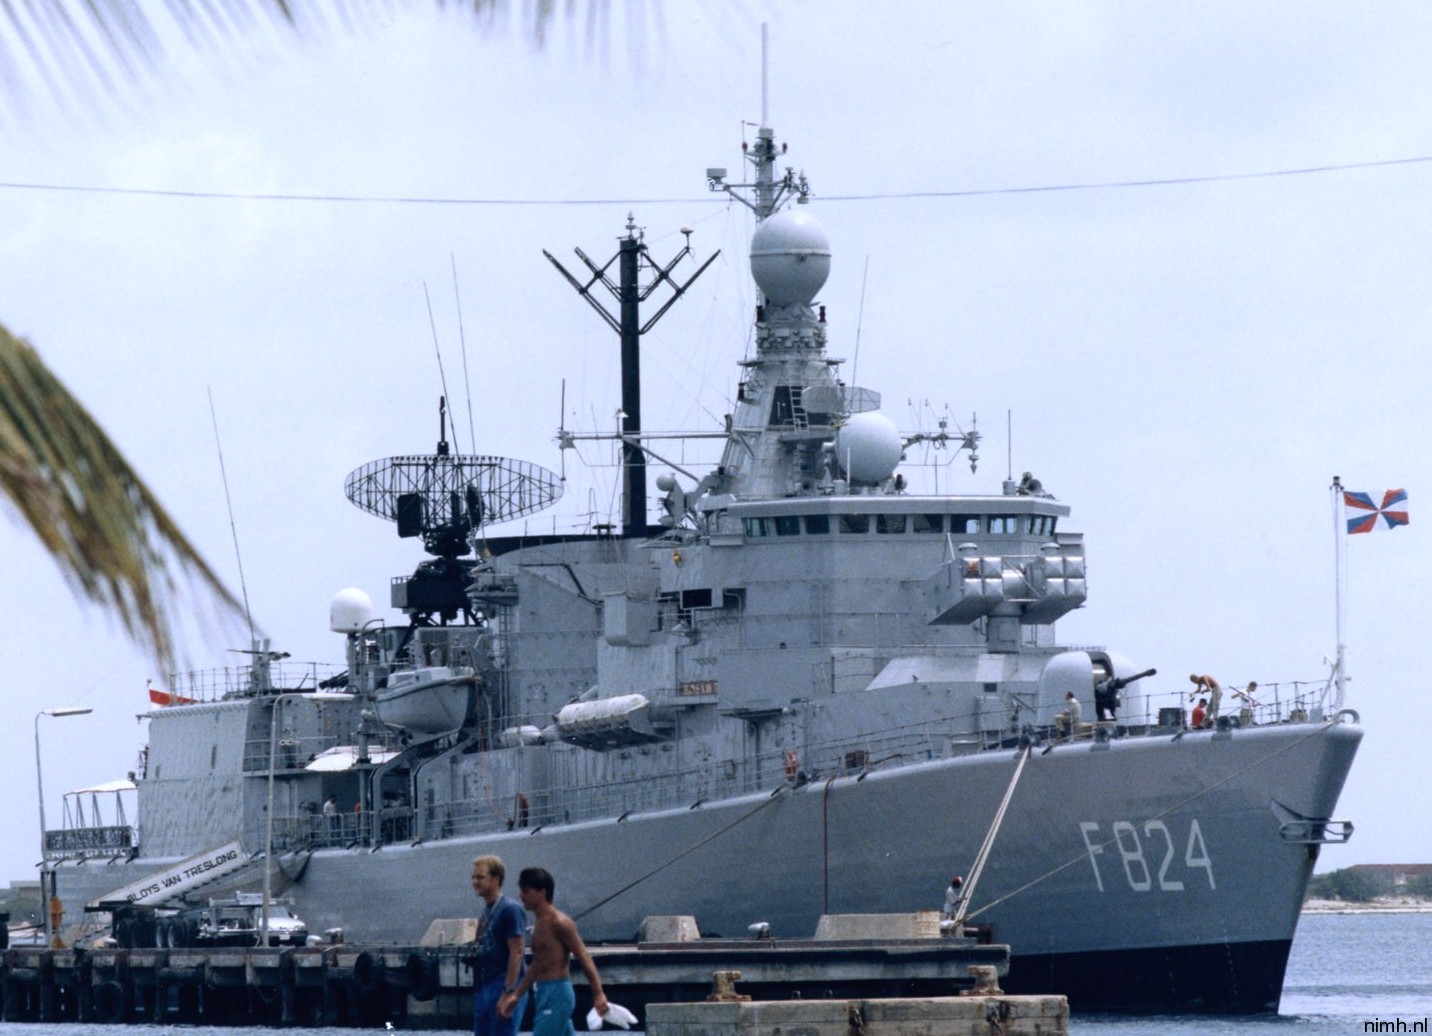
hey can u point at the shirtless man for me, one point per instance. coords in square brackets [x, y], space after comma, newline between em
[555, 940]
[1207, 685]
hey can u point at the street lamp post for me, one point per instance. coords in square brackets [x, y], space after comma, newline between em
[51, 900]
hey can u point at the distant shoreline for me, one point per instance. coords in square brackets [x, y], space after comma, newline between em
[1382, 906]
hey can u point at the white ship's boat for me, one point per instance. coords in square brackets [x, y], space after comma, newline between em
[807, 689]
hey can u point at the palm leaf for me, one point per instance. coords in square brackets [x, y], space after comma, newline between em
[65, 479]
[113, 541]
[76, 54]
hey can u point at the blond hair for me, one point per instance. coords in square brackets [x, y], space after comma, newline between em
[494, 866]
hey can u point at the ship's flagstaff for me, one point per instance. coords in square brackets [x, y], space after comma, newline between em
[1339, 576]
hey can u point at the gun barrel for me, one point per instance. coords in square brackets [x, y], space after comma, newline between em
[1119, 683]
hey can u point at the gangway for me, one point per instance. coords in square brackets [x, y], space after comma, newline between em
[172, 882]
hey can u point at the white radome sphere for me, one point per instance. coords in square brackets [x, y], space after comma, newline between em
[349, 611]
[868, 447]
[790, 257]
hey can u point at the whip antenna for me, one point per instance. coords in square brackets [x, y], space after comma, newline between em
[233, 529]
[462, 341]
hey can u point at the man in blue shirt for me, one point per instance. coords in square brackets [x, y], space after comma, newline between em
[498, 969]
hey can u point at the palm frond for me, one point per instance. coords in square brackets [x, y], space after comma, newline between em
[113, 541]
[75, 55]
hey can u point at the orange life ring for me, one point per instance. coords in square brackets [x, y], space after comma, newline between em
[792, 764]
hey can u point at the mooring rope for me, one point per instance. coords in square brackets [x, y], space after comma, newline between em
[775, 796]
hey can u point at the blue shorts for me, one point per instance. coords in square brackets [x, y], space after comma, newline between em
[555, 1001]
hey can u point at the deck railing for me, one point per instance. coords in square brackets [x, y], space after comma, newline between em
[576, 793]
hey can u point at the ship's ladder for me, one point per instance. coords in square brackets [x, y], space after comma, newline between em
[800, 418]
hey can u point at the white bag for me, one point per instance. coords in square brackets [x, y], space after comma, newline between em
[616, 1014]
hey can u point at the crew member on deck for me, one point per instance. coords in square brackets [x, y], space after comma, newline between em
[1246, 695]
[1067, 721]
[1106, 699]
[1207, 685]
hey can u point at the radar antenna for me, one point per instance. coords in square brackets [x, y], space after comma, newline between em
[444, 497]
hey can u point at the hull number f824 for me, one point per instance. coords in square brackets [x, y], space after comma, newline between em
[1149, 852]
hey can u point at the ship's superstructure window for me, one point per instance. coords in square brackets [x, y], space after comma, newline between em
[696, 598]
[899, 524]
[1042, 524]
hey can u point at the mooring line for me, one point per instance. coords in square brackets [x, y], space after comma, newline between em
[775, 796]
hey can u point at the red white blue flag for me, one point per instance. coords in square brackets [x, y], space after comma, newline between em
[1392, 510]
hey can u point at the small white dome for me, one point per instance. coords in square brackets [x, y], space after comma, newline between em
[790, 257]
[349, 611]
[868, 447]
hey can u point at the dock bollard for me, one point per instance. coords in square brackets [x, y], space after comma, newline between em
[986, 981]
[723, 988]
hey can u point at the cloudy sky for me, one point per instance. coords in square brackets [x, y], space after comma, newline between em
[1187, 364]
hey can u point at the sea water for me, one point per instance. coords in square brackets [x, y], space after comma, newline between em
[1348, 974]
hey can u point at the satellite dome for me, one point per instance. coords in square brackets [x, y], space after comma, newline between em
[790, 257]
[349, 611]
[868, 447]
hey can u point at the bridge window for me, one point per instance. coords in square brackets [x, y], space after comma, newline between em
[855, 523]
[1042, 524]
[758, 527]
[965, 524]
[887, 523]
[1004, 524]
[817, 524]
[927, 523]
[788, 525]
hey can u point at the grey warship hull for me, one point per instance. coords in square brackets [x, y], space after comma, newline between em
[1153, 872]
[1191, 865]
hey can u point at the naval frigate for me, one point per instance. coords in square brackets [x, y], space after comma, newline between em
[808, 688]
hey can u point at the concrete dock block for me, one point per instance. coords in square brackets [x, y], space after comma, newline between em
[919, 924]
[922, 1016]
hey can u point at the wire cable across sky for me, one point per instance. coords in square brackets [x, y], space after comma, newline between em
[973, 192]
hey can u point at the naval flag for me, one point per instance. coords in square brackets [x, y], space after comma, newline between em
[1392, 510]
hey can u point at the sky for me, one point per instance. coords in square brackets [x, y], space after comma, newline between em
[1186, 364]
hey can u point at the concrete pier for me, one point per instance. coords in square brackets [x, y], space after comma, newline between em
[854, 960]
[922, 1016]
